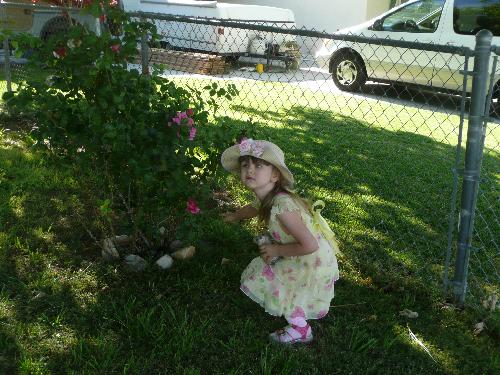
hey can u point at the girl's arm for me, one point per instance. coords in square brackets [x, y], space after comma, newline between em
[245, 212]
[293, 224]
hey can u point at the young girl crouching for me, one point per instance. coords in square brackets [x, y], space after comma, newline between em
[294, 277]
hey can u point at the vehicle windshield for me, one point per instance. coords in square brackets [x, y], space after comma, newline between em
[418, 17]
[470, 16]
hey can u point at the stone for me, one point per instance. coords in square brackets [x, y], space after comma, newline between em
[175, 244]
[225, 261]
[109, 252]
[122, 240]
[165, 262]
[135, 263]
[409, 314]
[184, 253]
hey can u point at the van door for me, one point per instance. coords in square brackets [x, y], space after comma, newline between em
[417, 21]
[461, 22]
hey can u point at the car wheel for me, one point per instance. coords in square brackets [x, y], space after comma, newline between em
[56, 26]
[348, 72]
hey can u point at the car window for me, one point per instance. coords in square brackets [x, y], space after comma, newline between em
[418, 17]
[470, 16]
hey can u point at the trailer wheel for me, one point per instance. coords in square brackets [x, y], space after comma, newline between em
[56, 26]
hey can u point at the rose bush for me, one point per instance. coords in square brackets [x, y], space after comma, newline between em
[156, 144]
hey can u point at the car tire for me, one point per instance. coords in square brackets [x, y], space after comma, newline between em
[348, 71]
[56, 26]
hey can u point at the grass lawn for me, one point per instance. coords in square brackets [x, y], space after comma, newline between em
[383, 171]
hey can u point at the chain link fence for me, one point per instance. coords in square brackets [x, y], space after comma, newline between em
[381, 126]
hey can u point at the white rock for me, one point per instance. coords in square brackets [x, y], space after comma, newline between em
[165, 262]
[135, 263]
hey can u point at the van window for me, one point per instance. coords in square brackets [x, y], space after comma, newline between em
[418, 17]
[470, 16]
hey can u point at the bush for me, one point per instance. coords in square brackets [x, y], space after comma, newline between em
[155, 143]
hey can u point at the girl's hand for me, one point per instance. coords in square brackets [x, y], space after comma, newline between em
[267, 252]
[230, 217]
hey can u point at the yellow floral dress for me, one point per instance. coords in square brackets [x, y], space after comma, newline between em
[294, 286]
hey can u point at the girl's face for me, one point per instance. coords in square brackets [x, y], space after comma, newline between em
[258, 175]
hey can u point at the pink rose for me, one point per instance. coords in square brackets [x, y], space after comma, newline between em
[268, 273]
[192, 206]
[115, 48]
[59, 52]
[192, 133]
[181, 115]
[190, 121]
[190, 112]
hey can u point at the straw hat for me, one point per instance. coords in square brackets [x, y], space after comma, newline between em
[260, 149]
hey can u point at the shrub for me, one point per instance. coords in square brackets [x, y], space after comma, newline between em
[156, 144]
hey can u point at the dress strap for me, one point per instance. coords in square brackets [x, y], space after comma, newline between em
[321, 226]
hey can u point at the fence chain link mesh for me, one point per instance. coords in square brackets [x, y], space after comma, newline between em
[390, 153]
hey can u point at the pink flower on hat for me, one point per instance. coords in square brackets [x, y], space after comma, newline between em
[248, 146]
[244, 146]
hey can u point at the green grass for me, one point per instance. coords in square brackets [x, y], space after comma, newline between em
[384, 172]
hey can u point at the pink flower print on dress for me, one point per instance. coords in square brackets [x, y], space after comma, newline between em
[317, 262]
[276, 236]
[276, 293]
[244, 288]
[322, 314]
[298, 313]
[330, 285]
[268, 273]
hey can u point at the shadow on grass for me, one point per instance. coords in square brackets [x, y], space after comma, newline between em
[193, 317]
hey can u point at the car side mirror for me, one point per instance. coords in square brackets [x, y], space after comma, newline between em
[377, 25]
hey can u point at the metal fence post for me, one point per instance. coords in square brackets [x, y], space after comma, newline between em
[144, 52]
[472, 168]
[6, 50]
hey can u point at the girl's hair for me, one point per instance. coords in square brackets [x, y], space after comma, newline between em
[267, 203]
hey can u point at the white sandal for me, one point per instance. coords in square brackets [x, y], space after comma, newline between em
[290, 336]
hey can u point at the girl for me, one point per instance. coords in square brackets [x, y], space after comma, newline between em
[293, 277]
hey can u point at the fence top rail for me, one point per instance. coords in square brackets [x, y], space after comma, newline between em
[7, 4]
[252, 25]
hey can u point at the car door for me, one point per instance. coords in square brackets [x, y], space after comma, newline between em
[463, 19]
[417, 21]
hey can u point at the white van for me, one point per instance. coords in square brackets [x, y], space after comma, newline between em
[445, 22]
[44, 20]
